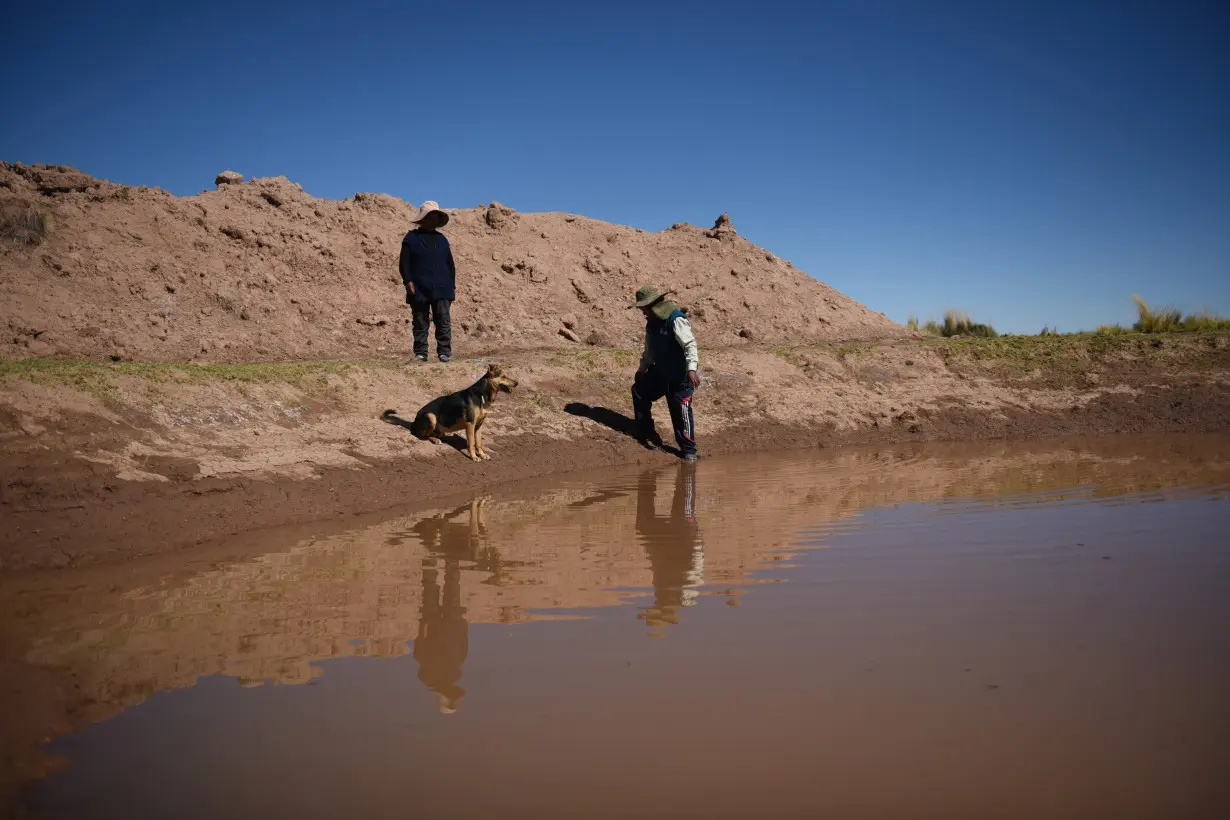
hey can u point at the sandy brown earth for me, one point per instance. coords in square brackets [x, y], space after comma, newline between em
[105, 461]
[261, 271]
[280, 321]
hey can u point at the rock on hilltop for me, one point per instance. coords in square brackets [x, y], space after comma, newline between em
[260, 270]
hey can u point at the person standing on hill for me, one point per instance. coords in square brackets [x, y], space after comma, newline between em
[430, 277]
[669, 368]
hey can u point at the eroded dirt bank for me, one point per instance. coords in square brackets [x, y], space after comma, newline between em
[104, 462]
[262, 271]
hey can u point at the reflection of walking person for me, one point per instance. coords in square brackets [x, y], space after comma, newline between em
[672, 543]
[430, 277]
[444, 636]
[669, 369]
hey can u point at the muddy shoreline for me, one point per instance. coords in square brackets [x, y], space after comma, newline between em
[108, 462]
[84, 515]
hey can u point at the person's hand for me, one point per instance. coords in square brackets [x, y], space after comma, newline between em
[694, 378]
[409, 293]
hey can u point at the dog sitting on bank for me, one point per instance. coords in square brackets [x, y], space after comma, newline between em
[466, 409]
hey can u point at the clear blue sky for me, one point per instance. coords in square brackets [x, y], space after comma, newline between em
[1032, 162]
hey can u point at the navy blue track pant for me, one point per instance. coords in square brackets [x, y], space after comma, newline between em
[648, 388]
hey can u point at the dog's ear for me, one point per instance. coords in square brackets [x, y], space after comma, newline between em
[494, 370]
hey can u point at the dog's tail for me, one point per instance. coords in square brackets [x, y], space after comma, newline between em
[387, 413]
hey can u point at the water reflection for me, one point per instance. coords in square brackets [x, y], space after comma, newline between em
[672, 543]
[443, 638]
[1039, 610]
[653, 540]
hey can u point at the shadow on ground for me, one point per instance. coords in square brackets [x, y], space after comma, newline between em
[453, 440]
[616, 421]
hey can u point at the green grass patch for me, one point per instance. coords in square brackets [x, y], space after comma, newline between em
[927, 328]
[854, 349]
[1112, 330]
[178, 371]
[1036, 348]
[596, 361]
[1162, 320]
[1205, 322]
[956, 323]
[26, 227]
[1170, 320]
[1070, 352]
[99, 378]
[1148, 320]
[1167, 320]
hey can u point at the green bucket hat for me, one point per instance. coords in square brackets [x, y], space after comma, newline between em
[655, 298]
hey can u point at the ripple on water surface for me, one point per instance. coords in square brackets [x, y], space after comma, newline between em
[997, 630]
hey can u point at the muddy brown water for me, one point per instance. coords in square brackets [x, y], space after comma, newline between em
[999, 630]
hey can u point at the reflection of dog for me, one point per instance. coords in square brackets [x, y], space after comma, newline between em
[445, 536]
[466, 409]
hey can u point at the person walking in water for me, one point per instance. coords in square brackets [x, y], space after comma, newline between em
[430, 277]
[669, 368]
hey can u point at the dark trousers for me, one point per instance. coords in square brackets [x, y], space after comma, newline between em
[651, 386]
[423, 313]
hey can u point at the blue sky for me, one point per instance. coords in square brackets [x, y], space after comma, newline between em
[1035, 163]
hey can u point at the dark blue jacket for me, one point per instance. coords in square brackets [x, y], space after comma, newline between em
[427, 263]
[669, 360]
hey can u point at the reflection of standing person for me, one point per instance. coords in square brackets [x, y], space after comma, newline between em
[669, 368]
[672, 543]
[430, 277]
[443, 640]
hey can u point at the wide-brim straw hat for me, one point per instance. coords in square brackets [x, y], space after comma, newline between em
[654, 298]
[431, 207]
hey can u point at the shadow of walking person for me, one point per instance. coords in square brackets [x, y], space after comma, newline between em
[673, 545]
[615, 421]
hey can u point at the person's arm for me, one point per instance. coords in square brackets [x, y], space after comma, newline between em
[687, 340]
[452, 267]
[646, 357]
[403, 267]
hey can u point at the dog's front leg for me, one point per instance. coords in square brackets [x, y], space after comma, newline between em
[471, 436]
[478, 434]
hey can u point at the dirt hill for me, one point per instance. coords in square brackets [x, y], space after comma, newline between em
[260, 270]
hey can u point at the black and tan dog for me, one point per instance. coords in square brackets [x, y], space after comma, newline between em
[466, 409]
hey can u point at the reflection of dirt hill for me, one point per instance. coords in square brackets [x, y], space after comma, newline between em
[361, 593]
[263, 271]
